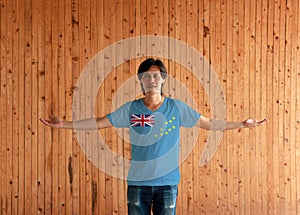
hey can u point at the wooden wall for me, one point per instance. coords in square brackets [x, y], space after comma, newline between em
[253, 46]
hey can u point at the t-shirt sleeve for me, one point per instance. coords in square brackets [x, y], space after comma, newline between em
[188, 116]
[120, 117]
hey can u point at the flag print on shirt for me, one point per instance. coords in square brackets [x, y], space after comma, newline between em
[142, 120]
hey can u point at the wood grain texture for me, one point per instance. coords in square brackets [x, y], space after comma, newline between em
[253, 47]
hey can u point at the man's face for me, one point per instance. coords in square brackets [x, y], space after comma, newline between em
[152, 80]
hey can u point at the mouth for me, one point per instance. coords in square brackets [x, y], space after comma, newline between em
[152, 86]
[152, 89]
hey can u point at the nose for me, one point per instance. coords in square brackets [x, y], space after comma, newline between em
[152, 79]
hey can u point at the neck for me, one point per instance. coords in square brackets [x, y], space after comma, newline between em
[153, 100]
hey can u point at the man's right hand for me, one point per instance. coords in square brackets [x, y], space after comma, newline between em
[53, 122]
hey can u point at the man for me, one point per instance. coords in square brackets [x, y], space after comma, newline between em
[154, 122]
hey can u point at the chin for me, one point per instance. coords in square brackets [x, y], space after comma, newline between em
[153, 91]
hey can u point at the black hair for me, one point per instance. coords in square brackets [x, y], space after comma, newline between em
[145, 66]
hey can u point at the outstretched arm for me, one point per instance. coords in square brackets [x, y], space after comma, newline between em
[85, 124]
[209, 124]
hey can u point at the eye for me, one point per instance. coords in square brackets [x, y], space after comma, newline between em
[146, 76]
[156, 75]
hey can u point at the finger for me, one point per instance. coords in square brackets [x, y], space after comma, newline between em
[45, 121]
[42, 120]
[263, 121]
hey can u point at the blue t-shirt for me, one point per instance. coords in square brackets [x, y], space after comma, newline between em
[155, 139]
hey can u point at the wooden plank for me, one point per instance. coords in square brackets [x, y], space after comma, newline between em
[15, 108]
[239, 103]
[68, 114]
[119, 34]
[211, 55]
[48, 107]
[263, 113]
[82, 48]
[9, 108]
[28, 100]
[264, 107]
[297, 63]
[270, 142]
[275, 111]
[150, 19]
[128, 13]
[101, 45]
[40, 12]
[185, 173]
[252, 108]
[5, 194]
[133, 15]
[221, 70]
[217, 68]
[2, 160]
[173, 72]
[293, 11]
[34, 107]
[93, 150]
[94, 154]
[108, 14]
[177, 70]
[74, 161]
[229, 101]
[88, 106]
[257, 109]
[102, 175]
[143, 28]
[62, 73]
[246, 74]
[171, 54]
[203, 96]
[287, 86]
[192, 26]
[282, 101]
[223, 179]
[116, 32]
[55, 106]
[204, 48]
[233, 114]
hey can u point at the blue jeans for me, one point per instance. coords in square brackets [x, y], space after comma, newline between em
[162, 200]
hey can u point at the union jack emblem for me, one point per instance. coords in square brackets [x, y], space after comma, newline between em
[142, 120]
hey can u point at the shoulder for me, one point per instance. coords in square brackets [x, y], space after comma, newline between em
[178, 102]
[174, 102]
[132, 104]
